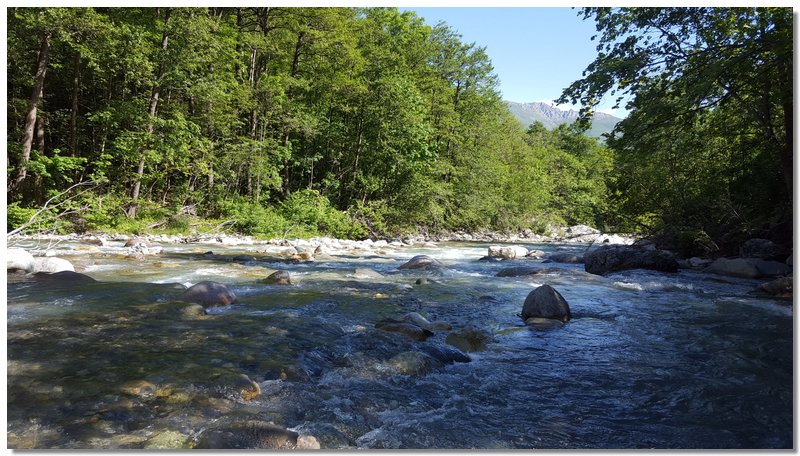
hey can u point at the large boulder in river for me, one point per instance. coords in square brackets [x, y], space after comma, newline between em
[52, 264]
[507, 252]
[748, 268]
[19, 259]
[422, 262]
[546, 302]
[609, 259]
[258, 435]
[209, 294]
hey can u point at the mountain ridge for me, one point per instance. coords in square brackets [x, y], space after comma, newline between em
[551, 117]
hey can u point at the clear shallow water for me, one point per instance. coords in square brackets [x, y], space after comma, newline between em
[649, 360]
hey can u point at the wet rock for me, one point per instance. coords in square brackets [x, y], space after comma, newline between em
[255, 435]
[422, 262]
[445, 353]
[136, 242]
[407, 329]
[759, 248]
[63, 277]
[771, 268]
[546, 302]
[233, 385]
[469, 339]
[535, 254]
[193, 312]
[413, 363]
[508, 253]
[279, 278]
[209, 294]
[417, 319]
[543, 323]
[488, 259]
[167, 440]
[609, 259]
[244, 258]
[779, 288]
[364, 273]
[139, 388]
[423, 281]
[565, 258]
[738, 267]
[19, 259]
[52, 264]
[518, 271]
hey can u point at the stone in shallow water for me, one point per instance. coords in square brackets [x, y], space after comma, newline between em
[254, 435]
[167, 440]
[469, 339]
[546, 302]
[209, 294]
[407, 329]
[422, 262]
[413, 363]
[279, 278]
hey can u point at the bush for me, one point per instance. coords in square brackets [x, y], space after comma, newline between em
[313, 215]
[254, 219]
[16, 216]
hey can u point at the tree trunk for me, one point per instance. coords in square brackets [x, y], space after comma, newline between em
[151, 113]
[30, 118]
[73, 118]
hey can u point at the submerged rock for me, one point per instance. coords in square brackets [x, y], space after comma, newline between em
[422, 262]
[255, 435]
[407, 329]
[364, 273]
[417, 319]
[469, 339]
[279, 278]
[543, 323]
[546, 302]
[167, 440]
[780, 287]
[413, 363]
[617, 258]
[19, 259]
[234, 385]
[209, 294]
[446, 353]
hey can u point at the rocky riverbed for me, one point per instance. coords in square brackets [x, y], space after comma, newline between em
[223, 342]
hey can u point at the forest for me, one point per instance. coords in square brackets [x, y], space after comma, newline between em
[366, 122]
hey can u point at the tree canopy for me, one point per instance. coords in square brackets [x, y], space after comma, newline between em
[708, 142]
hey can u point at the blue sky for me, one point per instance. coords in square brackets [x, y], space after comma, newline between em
[536, 51]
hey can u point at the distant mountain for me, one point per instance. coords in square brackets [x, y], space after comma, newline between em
[551, 117]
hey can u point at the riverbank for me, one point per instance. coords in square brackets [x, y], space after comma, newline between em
[579, 234]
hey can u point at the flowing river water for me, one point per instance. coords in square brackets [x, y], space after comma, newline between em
[649, 360]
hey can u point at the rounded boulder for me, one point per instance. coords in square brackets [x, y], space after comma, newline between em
[19, 259]
[422, 262]
[546, 302]
[209, 294]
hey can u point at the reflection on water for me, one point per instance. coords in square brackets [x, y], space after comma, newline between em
[649, 360]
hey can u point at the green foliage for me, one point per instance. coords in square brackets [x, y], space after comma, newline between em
[708, 143]
[312, 214]
[346, 122]
[17, 216]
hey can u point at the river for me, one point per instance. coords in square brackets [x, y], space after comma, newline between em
[649, 360]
